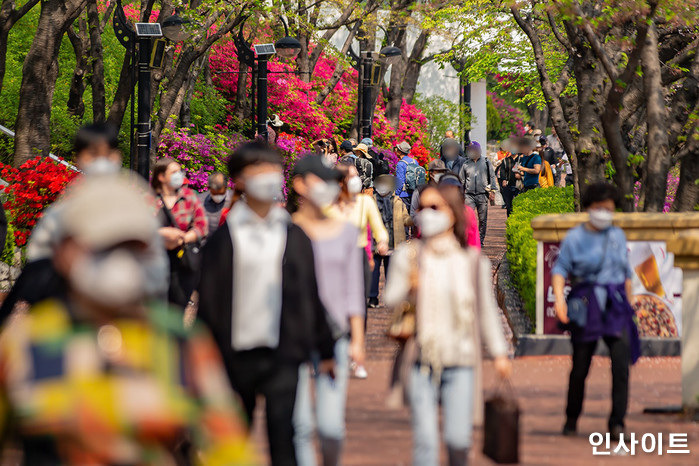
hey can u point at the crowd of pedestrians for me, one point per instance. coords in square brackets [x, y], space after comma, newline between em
[282, 286]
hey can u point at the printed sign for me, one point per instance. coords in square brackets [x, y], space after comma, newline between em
[657, 289]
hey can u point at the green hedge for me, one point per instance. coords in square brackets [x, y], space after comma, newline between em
[8, 253]
[521, 246]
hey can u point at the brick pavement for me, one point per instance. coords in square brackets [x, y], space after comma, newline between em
[379, 436]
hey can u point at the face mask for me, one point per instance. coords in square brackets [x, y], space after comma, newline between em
[323, 194]
[218, 198]
[436, 177]
[432, 222]
[601, 219]
[102, 166]
[382, 189]
[265, 187]
[354, 185]
[113, 280]
[176, 180]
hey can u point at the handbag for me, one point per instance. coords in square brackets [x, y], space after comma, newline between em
[501, 427]
[188, 255]
[403, 322]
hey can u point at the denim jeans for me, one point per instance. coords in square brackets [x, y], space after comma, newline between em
[455, 386]
[331, 398]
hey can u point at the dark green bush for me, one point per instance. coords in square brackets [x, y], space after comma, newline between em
[521, 246]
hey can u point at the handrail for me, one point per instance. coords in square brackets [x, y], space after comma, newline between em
[11, 134]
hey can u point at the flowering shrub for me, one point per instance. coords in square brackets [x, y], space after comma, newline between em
[673, 180]
[31, 188]
[390, 157]
[421, 154]
[199, 154]
[506, 120]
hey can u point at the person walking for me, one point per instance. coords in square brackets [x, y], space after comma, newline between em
[480, 184]
[395, 219]
[340, 278]
[594, 257]
[507, 176]
[183, 226]
[409, 174]
[258, 293]
[451, 319]
[361, 211]
[215, 200]
[96, 155]
[114, 377]
[436, 169]
[529, 165]
[566, 169]
[472, 235]
[365, 169]
[451, 154]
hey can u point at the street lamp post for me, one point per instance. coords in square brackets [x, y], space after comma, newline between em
[173, 29]
[369, 76]
[286, 47]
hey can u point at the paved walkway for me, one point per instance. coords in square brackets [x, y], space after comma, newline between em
[379, 436]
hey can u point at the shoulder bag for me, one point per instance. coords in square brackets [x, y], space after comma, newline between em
[403, 321]
[188, 255]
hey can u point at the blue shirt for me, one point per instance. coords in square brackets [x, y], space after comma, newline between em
[401, 169]
[528, 161]
[585, 257]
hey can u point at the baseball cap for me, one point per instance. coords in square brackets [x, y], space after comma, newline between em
[103, 212]
[346, 146]
[436, 164]
[451, 179]
[318, 166]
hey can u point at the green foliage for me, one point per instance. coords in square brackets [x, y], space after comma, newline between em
[494, 120]
[8, 252]
[442, 115]
[521, 246]
[208, 107]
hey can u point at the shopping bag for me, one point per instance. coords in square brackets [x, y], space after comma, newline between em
[501, 427]
[499, 201]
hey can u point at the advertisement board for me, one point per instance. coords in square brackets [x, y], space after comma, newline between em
[657, 289]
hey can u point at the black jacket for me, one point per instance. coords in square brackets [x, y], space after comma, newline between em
[304, 325]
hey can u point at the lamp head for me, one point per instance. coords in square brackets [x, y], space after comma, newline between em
[288, 47]
[391, 55]
[174, 28]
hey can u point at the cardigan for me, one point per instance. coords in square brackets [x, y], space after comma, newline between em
[304, 324]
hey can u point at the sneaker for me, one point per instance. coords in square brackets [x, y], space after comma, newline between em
[616, 432]
[360, 372]
[569, 431]
[373, 303]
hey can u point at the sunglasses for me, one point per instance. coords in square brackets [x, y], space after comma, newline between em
[431, 206]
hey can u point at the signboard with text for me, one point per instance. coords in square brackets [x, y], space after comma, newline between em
[657, 289]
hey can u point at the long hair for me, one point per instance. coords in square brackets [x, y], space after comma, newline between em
[159, 168]
[454, 198]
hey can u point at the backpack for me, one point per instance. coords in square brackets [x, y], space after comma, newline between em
[384, 168]
[546, 175]
[415, 176]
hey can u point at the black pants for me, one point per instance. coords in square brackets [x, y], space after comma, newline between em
[376, 275]
[258, 372]
[620, 355]
[508, 195]
[480, 203]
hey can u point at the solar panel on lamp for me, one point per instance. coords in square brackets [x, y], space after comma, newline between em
[148, 30]
[265, 49]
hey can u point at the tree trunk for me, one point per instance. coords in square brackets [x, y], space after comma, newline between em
[39, 73]
[9, 15]
[96, 57]
[687, 196]
[123, 93]
[80, 41]
[657, 158]
[241, 92]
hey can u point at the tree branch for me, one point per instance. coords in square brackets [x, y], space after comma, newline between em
[556, 32]
[596, 45]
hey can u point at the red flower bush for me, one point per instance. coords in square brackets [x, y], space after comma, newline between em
[31, 188]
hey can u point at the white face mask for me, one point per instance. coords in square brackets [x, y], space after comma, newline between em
[436, 177]
[264, 187]
[354, 185]
[383, 190]
[218, 198]
[432, 222]
[601, 219]
[102, 166]
[176, 180]
[114, 280]
[323, 194]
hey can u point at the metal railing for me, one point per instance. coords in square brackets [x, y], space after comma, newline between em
[10, 133]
